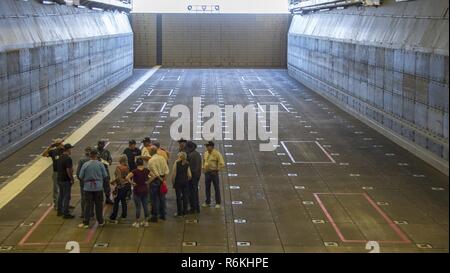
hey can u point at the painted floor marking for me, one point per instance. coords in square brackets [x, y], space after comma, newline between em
[403, 238]
[308, 162]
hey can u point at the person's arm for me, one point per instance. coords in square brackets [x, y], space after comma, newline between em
[82, 172]
[166, 168]
[69, 169]
[46, 153]
[118, 176]
[108, 157]
[189, 173]
[80, 164]
[104, 172]
[221, 162]
[129, 177]
[174, 172]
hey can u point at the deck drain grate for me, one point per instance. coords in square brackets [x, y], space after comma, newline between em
[243, 243]
[331, 244]
[101, 245]
[189, 243]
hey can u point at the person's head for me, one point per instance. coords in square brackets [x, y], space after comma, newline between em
[182, 156]
[132, 144]
[209, 146]
[67, 148]
[191, 146]
[140, 162]
[153, 150]
[157, 144]
[94, 154]
[146, 141]
[182, 143]
[123, 160]
[87, 151]
[101, 145]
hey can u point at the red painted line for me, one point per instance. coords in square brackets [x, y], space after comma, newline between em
[395, 228]
[30, 232]
[330, 219]
[88, 238]
[387, 219]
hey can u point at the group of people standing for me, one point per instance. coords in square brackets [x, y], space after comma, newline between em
[141, 175]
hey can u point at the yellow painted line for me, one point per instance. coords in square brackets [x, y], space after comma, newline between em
[28, 175]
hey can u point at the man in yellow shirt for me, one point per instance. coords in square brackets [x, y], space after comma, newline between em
[161, 151]
[159, 170]
[212, 163]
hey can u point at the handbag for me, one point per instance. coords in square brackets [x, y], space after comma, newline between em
[163, 189]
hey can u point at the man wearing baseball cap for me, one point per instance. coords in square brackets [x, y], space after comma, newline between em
[54, 151]
[212, 163]
[65, 181]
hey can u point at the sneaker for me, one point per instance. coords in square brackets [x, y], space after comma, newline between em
[113, 221]
[217, 206]
[136, 224]
[178, 215]
[101, 224]
[145, 223]
[82, 225]
[205, 205]
[69, 216]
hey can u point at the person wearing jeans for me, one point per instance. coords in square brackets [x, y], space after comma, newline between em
[139, 178]
[65, 182]
[93, 174]
[212, 163]
[195, 162]
[54, 151]
[87, 153]
[158, 172]
[121, 189]
[181, 175]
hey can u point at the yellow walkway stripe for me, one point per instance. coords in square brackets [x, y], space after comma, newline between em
[28, 175]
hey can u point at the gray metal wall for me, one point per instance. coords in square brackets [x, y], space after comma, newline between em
[213, 39]
[388, 65]
[53, 60]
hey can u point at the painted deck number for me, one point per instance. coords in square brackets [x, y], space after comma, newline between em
[191, 221]
[236, 202]
[308, 203]
[424, 246]
[240, 221]
[101, 245]
[299, 187]
[232, 174]
[318, 221]
[243, 243]
[234, 187]
[330, 244]
[292, 174]
[189, 243]
[6, 248]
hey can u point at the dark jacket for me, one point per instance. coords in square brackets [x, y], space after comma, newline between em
[195, 161]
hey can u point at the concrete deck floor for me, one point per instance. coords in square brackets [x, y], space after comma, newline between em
[375, 190]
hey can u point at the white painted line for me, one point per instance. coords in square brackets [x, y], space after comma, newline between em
[27, 176]
[332, 161]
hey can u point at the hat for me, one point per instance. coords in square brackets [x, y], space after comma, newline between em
[157, 144]
[101, 142]
[94, 152]
[68, 146]
[209, 143]
[58, 141]
[182, 140]
[191, 145]
[131, 142]
[146, 139]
